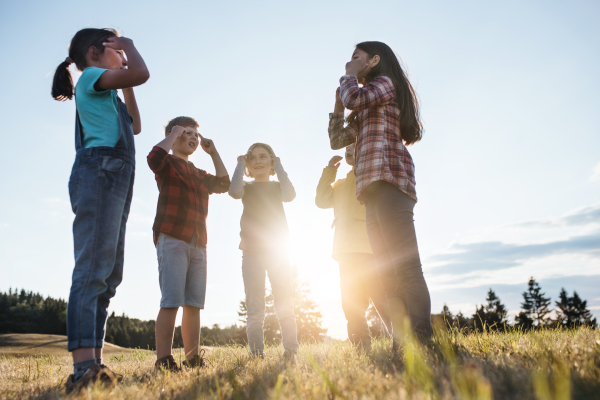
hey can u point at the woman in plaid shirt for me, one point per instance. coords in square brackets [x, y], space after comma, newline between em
[384, 119]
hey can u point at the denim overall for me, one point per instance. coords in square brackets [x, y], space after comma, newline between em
[100, 189]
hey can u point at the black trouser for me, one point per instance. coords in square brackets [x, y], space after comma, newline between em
[392, 235]
[360, 282]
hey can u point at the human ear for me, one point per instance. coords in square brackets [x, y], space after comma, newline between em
[374, 61]
[93, 53]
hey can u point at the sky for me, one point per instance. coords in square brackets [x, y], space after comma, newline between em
[508, 171]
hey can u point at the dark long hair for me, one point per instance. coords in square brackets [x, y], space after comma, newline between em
[411, 127]
[62, 85]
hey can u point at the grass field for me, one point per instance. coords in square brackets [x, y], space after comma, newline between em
[537, 365]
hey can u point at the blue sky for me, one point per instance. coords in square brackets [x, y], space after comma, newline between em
[508, 171]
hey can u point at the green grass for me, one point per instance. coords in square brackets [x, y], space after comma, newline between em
[551, 364]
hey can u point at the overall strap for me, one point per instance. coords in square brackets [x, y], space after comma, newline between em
[126, 142]
[78, 131]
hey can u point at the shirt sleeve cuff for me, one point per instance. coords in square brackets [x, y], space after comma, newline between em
[160, 151]
[348, 77]
[278, 167]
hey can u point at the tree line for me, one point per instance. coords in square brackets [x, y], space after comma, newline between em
[536, 313]
[27, 312]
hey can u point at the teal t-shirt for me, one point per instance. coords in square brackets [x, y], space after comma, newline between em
[98, 110]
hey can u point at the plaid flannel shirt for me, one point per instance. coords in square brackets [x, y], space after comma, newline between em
[380, 154]
[183, 196]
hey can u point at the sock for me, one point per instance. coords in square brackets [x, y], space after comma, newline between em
[81, 367]
[98, 361]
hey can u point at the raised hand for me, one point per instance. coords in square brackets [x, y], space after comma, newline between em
[118, 43]
[177, 131]
[356, 66]
[335, 162]
[276, 160]
[241, 159]
[207, 145]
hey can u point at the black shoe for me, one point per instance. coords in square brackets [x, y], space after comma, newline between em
[198, 361]
[167, 363]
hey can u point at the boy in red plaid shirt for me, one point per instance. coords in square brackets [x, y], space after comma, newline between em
[180, 235]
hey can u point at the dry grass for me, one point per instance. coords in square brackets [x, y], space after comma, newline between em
[538, 365]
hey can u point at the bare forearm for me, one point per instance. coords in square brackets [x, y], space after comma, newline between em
[136, 65]
[167, 143]
[133, 109]
[220, 169]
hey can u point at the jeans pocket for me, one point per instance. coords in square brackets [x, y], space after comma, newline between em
[112, 164]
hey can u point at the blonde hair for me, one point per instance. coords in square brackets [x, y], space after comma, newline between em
[268, 149]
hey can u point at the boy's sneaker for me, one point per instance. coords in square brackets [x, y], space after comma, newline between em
[167, 363]
[198, 361]
[95, 374]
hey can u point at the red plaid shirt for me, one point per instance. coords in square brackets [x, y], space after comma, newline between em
[183, 196]
[380, 154]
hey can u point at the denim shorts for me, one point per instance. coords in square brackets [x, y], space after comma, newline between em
[181, 272]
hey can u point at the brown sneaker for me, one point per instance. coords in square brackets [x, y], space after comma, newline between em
[167, 363]
[198, 361]
[114, 375]
[95, 374]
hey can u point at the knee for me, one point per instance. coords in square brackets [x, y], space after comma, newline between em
[255, 316]
[285, 312]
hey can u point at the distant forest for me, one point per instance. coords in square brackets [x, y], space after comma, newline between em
[28, 312]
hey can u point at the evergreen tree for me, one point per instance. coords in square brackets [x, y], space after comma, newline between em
[492, 315]
[461, 321]
[447, 315]
[572, 311]
[535, 307]
[272, 332]
[28, 312]
[243, 312]
[308, 319]
[444, 320]
[271, 327]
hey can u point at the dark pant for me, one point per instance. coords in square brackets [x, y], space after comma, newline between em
[100, 189]
[359, 282]
[391, 230]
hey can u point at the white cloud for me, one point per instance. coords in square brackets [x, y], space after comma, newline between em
[595, 173]
[551, 247]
